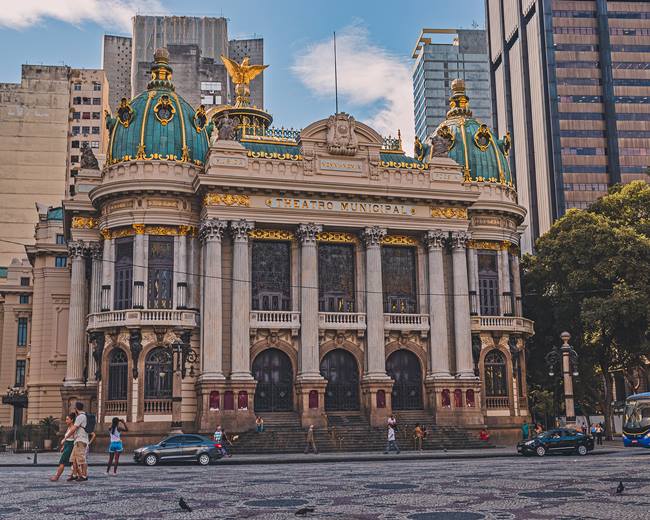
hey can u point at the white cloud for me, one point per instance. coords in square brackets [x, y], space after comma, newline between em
[114, 14]
[369, 78]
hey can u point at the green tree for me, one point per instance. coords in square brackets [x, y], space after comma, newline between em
[591, 276]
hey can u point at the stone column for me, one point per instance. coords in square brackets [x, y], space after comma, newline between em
[516, 282]
[309, 358]
[375, 356]
[241, 301]
[107, 272]
[77, 316]
[139, 271]
[462, 323]
[95, 250]
[472, 261]
[439, 344]
[210, 233]
[504, 282]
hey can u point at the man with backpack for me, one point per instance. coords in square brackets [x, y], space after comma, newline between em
[84, 425]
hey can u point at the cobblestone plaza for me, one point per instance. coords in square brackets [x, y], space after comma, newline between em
[556, 487]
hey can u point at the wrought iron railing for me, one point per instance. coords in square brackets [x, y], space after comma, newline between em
[497, 402]
[280, 134]
[392, 144]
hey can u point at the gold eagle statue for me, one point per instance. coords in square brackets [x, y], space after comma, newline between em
[242, 74]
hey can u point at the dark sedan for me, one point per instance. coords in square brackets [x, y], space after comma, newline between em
[181, 447]
[560, 440]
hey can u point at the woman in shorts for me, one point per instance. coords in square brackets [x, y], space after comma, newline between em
[115, 447]
[66, 449]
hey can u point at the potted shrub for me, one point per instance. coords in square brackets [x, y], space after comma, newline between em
[49, 426]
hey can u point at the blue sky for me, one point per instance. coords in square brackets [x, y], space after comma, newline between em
[377, 36]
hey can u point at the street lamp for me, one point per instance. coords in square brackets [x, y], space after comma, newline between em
[568, 357]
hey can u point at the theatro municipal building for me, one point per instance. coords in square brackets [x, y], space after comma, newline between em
[217, 268]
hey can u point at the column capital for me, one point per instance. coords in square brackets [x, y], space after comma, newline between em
[307, 233]
[459, 239]
[239, 229]
[435, 239]
[76, 249]
[372, 236]
[212, 229]
[96, 250]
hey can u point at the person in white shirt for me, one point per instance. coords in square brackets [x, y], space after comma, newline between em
[392, 443]
[80, 436]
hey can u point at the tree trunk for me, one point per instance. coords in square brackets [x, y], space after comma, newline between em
[607, 404]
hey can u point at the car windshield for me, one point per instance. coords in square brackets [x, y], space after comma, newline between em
[637, 415]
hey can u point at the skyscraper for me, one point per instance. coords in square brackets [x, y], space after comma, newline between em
[570, 81]
[438, 64]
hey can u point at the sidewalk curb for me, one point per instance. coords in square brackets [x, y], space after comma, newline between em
[320, 459]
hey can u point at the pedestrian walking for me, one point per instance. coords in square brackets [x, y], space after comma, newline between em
[79, 433]
[599, 434]
[311, 443]
[392, 421]
[66, 448]
[525, 429]
[392, 443]
[484, 435]
[227, 440]
[259, 424]
[219, 438]
[418, 435]
[115, 447]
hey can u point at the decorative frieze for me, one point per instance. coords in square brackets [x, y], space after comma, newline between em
[336, 237]
[398, 240]
[84, 222]
[493, 246]
[142, 229]
[226, 199]
[448, 212]
[270, 234]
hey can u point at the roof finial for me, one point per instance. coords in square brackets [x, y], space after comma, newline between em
[161, 72]
[458, 102]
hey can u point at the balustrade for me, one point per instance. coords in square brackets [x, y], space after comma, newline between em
[136, 317]
[497, 402]
[275, 320]
[158, 406]
[406, 322]
[115, 407]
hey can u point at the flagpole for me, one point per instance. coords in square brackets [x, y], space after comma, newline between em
[336, 80]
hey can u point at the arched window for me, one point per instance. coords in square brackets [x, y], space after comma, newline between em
[158, 375]
[458, 398]
[118, 375]
[446, 398]
[495, 374]
[214, 400]
[470, 399]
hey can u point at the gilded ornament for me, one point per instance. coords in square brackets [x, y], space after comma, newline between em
[125, 113]
[448, 212]
[274, 155]
[138, 229]
[84, 222]
[164, 110]
[161, 230]
[270, 234]
[336, 237]
[200, 119]
[484, 244]
[226, 199]
[105, 233]
[483, 138]
[507, 143]
[398, 240]
[448, 137]
[187, 231]
[242, 74]
[124, 232]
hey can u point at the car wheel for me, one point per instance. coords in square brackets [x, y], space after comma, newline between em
[204, 459]
[541, 451]
[151, 460]
[582, 449]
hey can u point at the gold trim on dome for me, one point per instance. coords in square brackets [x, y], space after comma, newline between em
[84, 222]
[122, 108]
[466, 173]
[507, 143]
[448, 212]
[226, 199]
[483, 138]
[399, 240]
[185, 155]
[445, 133]
[336, 237]
[502, 177]
[200, 117]
[164, 103]
[270, 234]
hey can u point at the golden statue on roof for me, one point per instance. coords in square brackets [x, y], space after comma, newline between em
[242, 74]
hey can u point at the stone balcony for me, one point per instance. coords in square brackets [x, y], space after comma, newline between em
[513, 324]
[397, 322]
[340, 321]
[275, 320]
[143, 317]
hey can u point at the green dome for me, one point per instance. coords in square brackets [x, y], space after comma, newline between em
[158, 124]
[471, 143]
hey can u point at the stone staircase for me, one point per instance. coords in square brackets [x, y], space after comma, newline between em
[349, 431]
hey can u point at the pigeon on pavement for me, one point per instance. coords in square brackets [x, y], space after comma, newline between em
[620, 488]
[184, 505]
[304, 511]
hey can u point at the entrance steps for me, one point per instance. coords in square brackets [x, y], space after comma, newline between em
[351, 431]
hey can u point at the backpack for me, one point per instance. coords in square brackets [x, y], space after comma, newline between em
[91, 422]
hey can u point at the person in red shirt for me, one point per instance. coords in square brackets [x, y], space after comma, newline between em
[484, 435]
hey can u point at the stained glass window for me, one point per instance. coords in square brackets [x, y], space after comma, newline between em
[123, 272]
[161, 272]
[271, 275]
[336, 273]
[398, 271]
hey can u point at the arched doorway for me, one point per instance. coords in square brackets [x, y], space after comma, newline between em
[404, 367]
[274, 375]
[340, 369]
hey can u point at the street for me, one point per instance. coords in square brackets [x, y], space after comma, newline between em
[555, 487]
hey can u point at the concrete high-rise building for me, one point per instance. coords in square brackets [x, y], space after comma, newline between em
[438, 64]
[116, 63]
[34, 124]
[570, 83]
[254, 49]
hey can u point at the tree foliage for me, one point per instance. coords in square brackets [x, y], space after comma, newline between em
[591, 277]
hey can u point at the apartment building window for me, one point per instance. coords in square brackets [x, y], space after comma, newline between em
[24, 299]
[22, 332]
[85, 130]
[75, 130]
[24, 281]
[74, 158]
[85, 115]
[585, 187]
[74, 144]
[20, 372]
[76, 100]
[60, 239]
[76, 115]
[76, 86]
[97, 115]
[86, 100]
[584, 151]
[94, 144]
[95, 130]
[61, 261]
[97, 87]
[212, 86]
[97, 101]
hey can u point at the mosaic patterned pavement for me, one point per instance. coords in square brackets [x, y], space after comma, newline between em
[556, 487]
